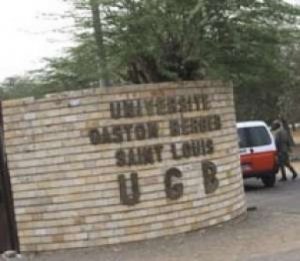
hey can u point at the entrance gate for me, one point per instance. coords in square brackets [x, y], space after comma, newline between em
[8, 231]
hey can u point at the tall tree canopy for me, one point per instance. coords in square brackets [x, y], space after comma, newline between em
[141, 41]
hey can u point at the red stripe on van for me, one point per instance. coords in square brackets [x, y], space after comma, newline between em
[259, 162]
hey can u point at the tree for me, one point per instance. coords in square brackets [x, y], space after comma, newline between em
[171, 39]
[77, 69]
[289, 100]
[153, 41]
[142, 41]
[99, 40]
[18, 87]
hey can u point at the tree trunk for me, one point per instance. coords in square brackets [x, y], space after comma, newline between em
[98, 33]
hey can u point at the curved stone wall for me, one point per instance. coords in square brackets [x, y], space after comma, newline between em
[106, 166]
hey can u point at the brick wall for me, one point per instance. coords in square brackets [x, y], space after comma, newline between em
[68, 154]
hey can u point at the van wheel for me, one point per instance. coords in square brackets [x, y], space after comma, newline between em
[269, 180]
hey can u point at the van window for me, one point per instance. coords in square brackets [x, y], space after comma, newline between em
[243, 140]
[253, 137]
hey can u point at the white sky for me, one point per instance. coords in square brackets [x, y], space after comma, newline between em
[26, 36]
[294, 1]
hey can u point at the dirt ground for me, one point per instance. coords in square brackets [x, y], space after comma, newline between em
[296, 136]
[296, 149]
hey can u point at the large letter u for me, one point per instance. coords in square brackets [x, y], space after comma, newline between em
[133, 198]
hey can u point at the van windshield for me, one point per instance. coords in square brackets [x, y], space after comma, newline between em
[253, 137]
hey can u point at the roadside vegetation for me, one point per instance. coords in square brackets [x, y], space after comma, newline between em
[252, 43]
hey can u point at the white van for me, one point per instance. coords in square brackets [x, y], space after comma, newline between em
[257, 151]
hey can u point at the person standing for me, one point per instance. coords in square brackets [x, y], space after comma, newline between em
[285, 125]
[283, 145]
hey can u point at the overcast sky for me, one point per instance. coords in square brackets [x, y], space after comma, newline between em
[27, 37]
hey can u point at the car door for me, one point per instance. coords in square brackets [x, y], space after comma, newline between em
[257, 149]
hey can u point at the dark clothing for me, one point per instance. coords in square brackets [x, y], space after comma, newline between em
[283, 145]
[286, 127]
[282, 141]
[283, 158]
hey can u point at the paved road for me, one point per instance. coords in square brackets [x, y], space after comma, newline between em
[272, 232]
[281, 207]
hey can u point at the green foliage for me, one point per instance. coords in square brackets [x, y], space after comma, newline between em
[172, 40]
[248, 42]
[18, 87]
[154, 41]
[76, 70]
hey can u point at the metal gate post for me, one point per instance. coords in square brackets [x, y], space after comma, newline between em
[6, 193]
